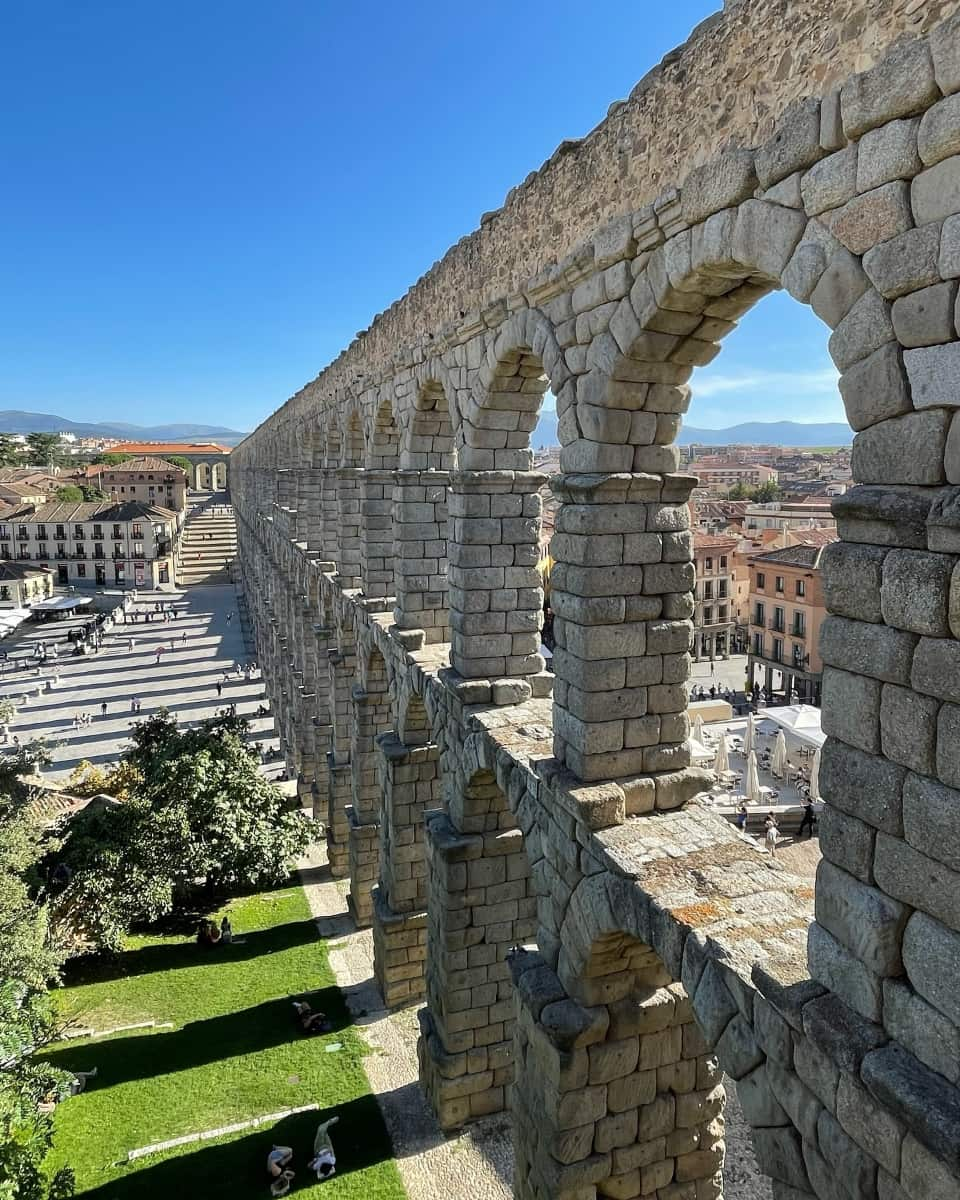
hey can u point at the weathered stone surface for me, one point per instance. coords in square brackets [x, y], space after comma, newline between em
[875, 388]
[862, 785]
[932, 372]
[865, 328]
[907, 449]
[926, 1175]
[721, 183]
[926, 317]
[857, 1169]
[871, 1127]
[866, 648]
[936, 668]
[908, 728]
[864, 920]
[831, 182]
[901, 84]
[916, 587]
[847, 842]
[840, 970]
[908, 261]
[887, 153]
[840, 1033]
[794, 145]
[939, 134]
[948, 746]
[839, 286]
[945, 51]
[927, 1104]
[922, 1029]
[931, 955]
[935, 193]
[851, 577]
[872, 217]
[931, 819]
[917, 880]
[851, 708]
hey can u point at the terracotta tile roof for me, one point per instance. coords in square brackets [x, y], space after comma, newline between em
[160, 448]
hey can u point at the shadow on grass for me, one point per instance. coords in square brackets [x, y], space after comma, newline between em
[147, 1056]
[177, 956]
[237, 1169]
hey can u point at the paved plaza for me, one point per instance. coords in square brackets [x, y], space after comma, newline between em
[199, 648]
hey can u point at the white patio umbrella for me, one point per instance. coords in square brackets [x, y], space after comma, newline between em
[815, 777]
[778, 765]
[721, 763]
[697, 730]
[752, 789]
[749, 735]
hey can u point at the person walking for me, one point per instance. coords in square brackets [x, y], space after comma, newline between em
[183, 637]
[133, 704]
[771, 834]
[103, 708]
[219, 689]
[806, 822]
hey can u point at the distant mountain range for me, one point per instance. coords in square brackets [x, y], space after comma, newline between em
[14, 421]
[751, 433]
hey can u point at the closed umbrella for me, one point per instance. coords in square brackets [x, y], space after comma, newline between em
[697, 730]
[752, 790]
[721, 763]
[778, 766]
[748, 735]
[815, 777]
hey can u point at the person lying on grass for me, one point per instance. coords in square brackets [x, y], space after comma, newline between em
[278, 1169]
[310, 1021]
[324, 1160]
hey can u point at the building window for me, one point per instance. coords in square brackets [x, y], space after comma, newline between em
[760, 614]
[778, 582]
[42, 550]
[4, 532]
[137, 531]
[708, 590]
[59, 533]
[81, 570]
[722, 589]
[722, 614]
[801, 588]
[4, 592]
[80, 550]
[799, 628]
[98, 531]
[778, 620]
[22, 533]
[708, 566]
[138, 549]
[78, 531]
[41, 533]
[761, 580]
[117, 532]
[777, 650]
[708, 616]
[758, 645]
[723, 562]
[132, 489]
[4, 549]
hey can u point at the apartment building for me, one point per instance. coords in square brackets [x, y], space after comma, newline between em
[786, 611]
[713, 615]
[97, 544]
[720, 477]
[147, 478]
[798, 517]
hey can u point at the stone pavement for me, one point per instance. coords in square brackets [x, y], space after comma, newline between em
[184, 680]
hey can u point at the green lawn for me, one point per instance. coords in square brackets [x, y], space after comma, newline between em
[234, 1052]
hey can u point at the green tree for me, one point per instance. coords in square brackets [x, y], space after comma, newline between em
[9, 451]
[770, 490]
[70, 492]
[111, 460]
[29, 962]
[44, 448]
[179, 461]
[200, 816]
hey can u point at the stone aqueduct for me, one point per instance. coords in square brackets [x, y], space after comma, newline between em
[594, 946]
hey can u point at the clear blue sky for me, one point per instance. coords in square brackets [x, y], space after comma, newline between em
[202, 202]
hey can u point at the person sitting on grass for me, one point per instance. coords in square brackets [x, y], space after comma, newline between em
[208, 935]
[278, 1169]
[324, 1160]
[310, 1021]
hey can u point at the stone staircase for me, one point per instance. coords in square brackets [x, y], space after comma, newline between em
[209, 540]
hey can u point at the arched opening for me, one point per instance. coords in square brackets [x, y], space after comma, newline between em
[328, 455]
[414, 726]
[421, 517]
[219, 476]
[377, 488]
[350, 499]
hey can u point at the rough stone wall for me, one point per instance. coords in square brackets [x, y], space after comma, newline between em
[573, 822]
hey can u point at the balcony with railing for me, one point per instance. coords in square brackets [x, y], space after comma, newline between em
[798, 630]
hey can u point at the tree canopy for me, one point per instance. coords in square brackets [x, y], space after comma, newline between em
[200, 818]
[179, 461]
[45, 448]
[9, 451]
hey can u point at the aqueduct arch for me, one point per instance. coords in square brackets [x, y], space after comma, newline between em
[659, 936]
